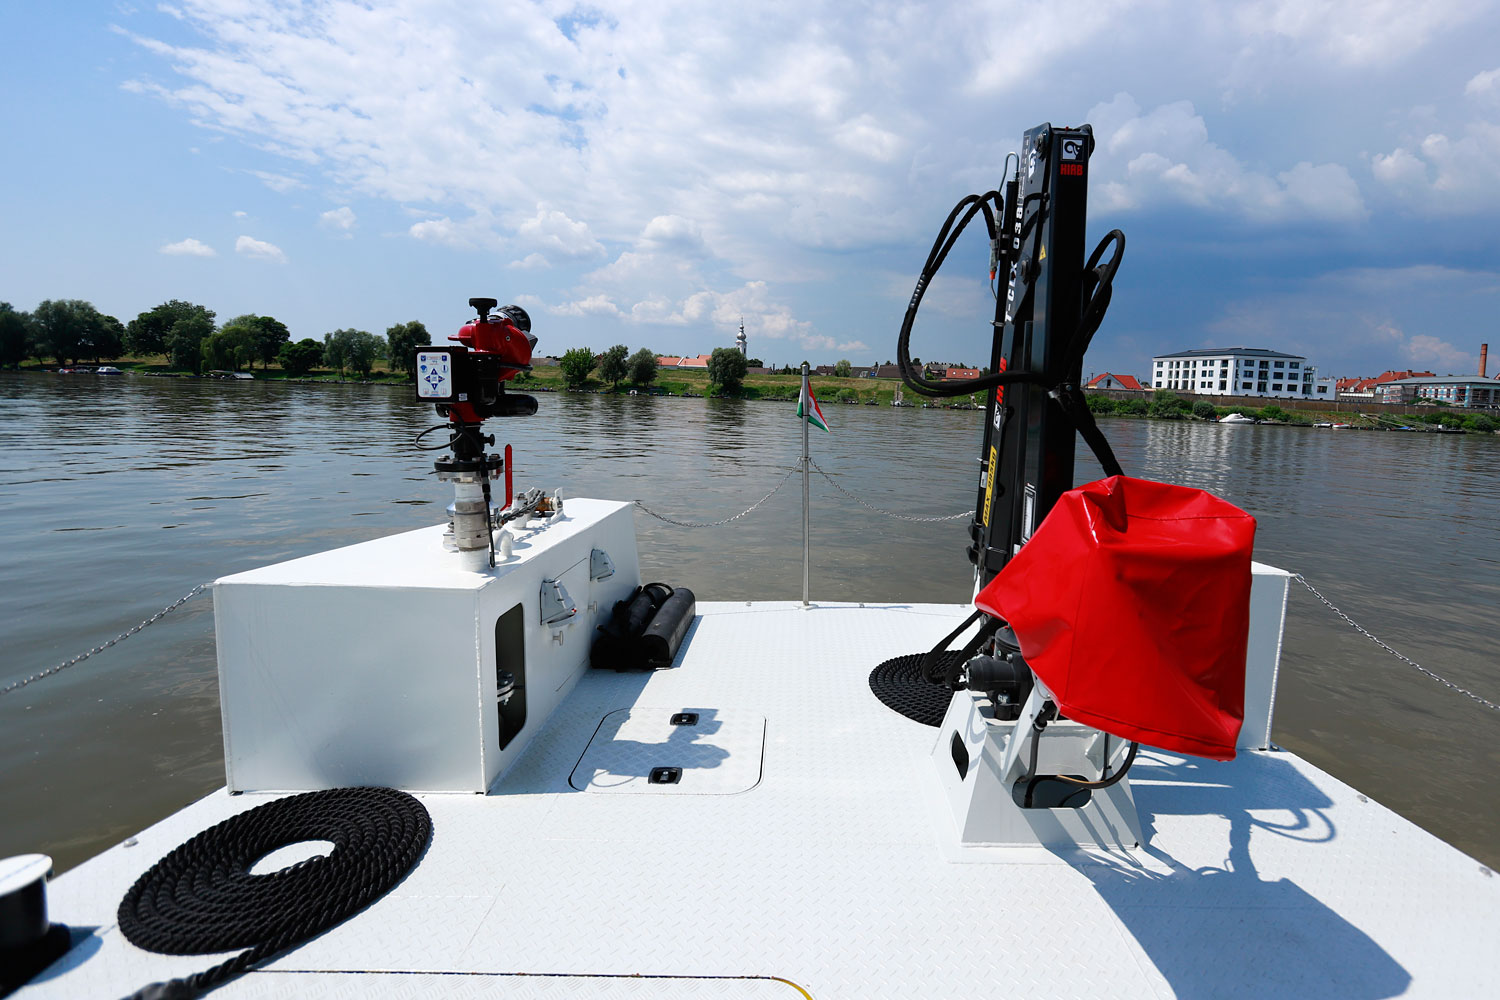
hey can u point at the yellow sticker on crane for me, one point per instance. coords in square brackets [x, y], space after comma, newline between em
[989, 483]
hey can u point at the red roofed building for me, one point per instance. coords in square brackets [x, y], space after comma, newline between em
[1109, 380]
[666, 361]
[1364, 388]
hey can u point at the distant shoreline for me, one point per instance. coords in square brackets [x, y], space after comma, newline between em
[836, 391]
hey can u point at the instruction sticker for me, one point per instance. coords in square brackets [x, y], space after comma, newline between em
[434, 375]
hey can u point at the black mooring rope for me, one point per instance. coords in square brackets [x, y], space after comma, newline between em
[201, 898]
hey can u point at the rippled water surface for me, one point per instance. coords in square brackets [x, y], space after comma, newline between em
[117, 495]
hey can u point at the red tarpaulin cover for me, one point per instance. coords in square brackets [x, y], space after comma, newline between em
[1131, 602]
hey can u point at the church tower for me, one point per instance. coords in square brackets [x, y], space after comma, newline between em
[741, 342]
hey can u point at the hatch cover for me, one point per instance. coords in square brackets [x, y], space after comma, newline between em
[703, 751]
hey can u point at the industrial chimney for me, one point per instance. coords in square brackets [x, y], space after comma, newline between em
[1484, 353]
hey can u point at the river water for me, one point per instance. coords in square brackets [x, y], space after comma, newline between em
[119, 494]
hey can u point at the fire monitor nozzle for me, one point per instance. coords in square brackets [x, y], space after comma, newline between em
[466, 382]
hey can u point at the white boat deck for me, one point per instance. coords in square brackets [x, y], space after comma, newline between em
[804, 854]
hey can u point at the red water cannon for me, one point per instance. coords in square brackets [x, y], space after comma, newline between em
[465, 381]
[505, 333]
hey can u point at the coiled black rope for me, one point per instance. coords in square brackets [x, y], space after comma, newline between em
[202, 898]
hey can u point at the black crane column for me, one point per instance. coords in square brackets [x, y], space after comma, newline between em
[1027, 454]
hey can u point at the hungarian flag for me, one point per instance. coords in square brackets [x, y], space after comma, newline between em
[808, 408]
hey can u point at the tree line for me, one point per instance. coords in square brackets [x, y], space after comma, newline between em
[73, 330]
[726, 367]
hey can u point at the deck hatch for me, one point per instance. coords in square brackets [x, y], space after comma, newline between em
[673, 750]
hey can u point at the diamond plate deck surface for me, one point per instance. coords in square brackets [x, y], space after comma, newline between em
[719, 754]
[1265, 877]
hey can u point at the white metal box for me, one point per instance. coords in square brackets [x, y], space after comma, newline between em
[377, 664]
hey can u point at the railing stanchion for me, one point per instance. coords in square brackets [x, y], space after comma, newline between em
[806, 493]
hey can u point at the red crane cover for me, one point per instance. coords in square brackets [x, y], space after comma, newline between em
[1131, 602]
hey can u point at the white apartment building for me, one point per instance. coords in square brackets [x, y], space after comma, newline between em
[1239, 371]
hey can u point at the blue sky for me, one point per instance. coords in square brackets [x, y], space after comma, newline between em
[1322, 178]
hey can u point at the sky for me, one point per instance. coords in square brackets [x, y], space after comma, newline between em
[1321, 178]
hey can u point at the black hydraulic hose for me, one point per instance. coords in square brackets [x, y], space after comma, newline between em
[940, 249]
[1098, 288]
[947, 236]
[201, 898]
[1104, 782]
[417, 442]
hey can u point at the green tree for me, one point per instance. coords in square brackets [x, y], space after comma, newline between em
[148, 333]
[1100, 404]
[109, 340]
[642, 367]
[16, 336]
[1167, 405]
[726, 368]
[333, 351]
[355, 350]
[403, 340]
[263, 336]
[842, 368]
[576, 366]
[229, 349]
[756, 363]
[72, 329]
[613, 365]
[301, 357]
[1204, 410]
[1274, 412]
[1132, 407]
[185, 340]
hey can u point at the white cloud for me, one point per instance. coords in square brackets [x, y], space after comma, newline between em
[1364, 320]
[1450, 175]
[189, 248]
[470, 234]
[673, 233]
[666, 158]
[1484, 86]
[340, 220]
[1435, 353]
[1165, 155]
[239, 214]
[1353, 32]
[593, 305]
[258, 249]
[280, 183]
[552, 230]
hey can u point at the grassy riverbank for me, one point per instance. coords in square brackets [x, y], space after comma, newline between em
[1166, 405]
[1160, 405]
[549, 378]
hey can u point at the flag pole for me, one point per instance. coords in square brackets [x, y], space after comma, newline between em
[806, 492]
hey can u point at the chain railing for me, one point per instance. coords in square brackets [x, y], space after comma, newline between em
[888, 513]
[17, 685]
[713, 524]
[791, 472]
[1403, 658]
